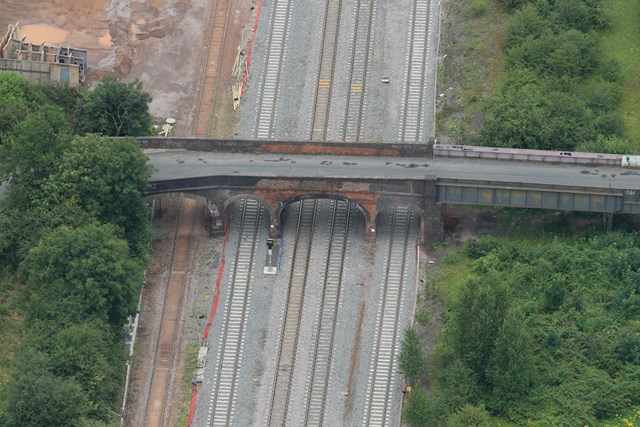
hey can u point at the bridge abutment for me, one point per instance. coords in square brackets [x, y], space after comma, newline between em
[433, 228]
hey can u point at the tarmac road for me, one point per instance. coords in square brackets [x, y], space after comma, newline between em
[172, 164]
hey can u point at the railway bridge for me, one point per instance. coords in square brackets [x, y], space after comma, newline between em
[375, 176]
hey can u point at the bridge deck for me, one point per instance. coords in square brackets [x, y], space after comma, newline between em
[175, 164]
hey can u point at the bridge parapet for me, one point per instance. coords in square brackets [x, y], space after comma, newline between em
[249, 146]
[524, 155]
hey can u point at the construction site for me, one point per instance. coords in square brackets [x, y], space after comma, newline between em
[166, 44]
[40, 63]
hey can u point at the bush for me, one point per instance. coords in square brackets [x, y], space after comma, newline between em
[416, 410]
[478, 8]
[469, 415]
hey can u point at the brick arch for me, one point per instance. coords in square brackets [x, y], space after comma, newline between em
[211, 206]
[413, 204]
[248, 195]
[292, 199]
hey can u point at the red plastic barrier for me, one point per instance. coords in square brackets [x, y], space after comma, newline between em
[253, 37]
[216, 298]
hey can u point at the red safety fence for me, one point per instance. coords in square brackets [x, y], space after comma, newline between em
[207, 328]
[216, 298]
[253, 37]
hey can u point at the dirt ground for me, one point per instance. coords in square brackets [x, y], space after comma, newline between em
[197, 296]
[160, 42]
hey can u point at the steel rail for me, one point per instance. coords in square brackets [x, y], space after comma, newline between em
[232, 339]
[293, 312]
[382, 367]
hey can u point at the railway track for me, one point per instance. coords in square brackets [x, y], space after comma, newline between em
[209, 88]
[360, 52]
[231, 345]
[320, 119]
[281, 391]
[413, 113]
[165, 350]
[325, 328]
[270, 84]
[383, 362]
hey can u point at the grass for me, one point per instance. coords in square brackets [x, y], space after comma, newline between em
[186, 387]
[473, 42]
[621, 42]
[624, 420]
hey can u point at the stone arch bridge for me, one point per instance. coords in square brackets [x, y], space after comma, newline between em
[370, 196]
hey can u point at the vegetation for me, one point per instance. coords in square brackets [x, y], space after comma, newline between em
[559, 89]
[73, 243]
[620, 40]
[536, 332]
[117, 109]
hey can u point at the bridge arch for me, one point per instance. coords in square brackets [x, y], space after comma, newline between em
[211, 206]
[283, 204]
[411, 203]
[232, 199]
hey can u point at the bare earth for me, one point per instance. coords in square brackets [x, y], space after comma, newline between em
[159, 42]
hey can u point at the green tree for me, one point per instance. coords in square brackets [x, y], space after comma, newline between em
[37, 398]
[412, 363]
[105, 179]
[114, 108]
[94, 356]
[416, 410]
[88, 269]
[459, 385]
[511, 371]
[525, 114]
[476, 321]
[13, 87]
[578, 14]
[34, 148]
[525, 23]
[69, 98]
[12, 112]
[469, 416]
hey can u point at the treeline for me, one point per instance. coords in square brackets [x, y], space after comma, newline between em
[74, 236]
[542, 333]
[559, 90]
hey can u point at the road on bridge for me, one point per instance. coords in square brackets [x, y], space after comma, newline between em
[175, 164]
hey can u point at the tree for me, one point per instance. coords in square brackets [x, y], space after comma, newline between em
[87, 269]
[13, 87]
[105, 179]
[524, 113]
[469, 416]
[94, 357]
[459, 385]
[114, 108]
[37, 398]
[476, 321]
[416, 410]
[524, 23]
[511, 368]
[411, 360]
[34, 148]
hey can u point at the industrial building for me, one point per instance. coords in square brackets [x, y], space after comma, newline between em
[41, 63]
